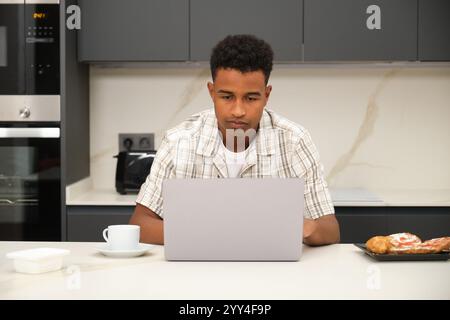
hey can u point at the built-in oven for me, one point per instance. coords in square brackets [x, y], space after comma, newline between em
[30, 172]
[30, 175]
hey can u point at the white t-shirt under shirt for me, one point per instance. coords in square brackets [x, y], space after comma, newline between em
[235, 160]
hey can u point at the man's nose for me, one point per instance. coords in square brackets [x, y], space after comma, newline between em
[238, 110]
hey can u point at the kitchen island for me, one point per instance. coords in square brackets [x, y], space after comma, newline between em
[339, 271]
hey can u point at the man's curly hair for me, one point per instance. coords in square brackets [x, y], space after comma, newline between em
[244, 53]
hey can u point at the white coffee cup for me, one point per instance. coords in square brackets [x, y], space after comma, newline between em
[122, 236]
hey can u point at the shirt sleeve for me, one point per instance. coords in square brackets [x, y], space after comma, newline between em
[306, 164]
[150, 194]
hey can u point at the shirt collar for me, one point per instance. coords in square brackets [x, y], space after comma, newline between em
[209, 142]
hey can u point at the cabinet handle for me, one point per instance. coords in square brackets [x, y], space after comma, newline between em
[26, 201]
[6, 201]
[29, 133]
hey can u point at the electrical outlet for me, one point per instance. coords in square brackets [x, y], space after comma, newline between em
[136, 141]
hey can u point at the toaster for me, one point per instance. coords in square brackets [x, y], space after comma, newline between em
[132, 169]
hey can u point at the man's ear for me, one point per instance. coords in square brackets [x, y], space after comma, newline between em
[211, 89]
[268, 91]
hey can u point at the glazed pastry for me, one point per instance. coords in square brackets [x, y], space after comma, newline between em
[399, 243]
[403, 242]
[432, 246]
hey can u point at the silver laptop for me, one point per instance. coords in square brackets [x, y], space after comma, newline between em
[233, 219]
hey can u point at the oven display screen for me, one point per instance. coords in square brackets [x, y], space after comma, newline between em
[40, 15]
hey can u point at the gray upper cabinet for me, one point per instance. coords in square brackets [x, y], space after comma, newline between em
[134, 30]
[279, 22]
[360, 30]
[434, 30]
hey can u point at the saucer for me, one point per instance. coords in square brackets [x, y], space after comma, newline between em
[140, 250]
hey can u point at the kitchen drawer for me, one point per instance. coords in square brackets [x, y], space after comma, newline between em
[358, 224]
[86, 223]
[427, 223]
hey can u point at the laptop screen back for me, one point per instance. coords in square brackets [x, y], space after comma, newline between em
[233, 219]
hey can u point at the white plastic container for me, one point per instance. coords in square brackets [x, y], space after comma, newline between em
[38, 260]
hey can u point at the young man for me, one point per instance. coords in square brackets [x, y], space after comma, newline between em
[204, 146]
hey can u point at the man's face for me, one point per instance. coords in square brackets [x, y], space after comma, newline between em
[239, 98]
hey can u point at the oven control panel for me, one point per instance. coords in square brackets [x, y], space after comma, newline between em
[42, 52]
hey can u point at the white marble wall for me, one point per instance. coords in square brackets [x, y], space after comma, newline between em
[375, 128]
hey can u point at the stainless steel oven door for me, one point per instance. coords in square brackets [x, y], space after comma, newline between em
[30, 184]
[12, 47]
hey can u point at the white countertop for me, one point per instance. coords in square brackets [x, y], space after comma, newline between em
[82, 193]
[332, 272]
[99, 197]
[104, 197]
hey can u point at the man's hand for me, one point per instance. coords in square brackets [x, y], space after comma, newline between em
[324, 230]
[309, 226]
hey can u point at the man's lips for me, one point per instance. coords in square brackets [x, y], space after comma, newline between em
[237, 124]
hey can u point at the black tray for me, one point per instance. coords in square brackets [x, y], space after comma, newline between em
[405, 256]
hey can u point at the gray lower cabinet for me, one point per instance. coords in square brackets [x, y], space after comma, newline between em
[427, 225]
[279, 22]
[360, 30]
[134, 30]
[86, 223]
[434, 30]
[358, 224]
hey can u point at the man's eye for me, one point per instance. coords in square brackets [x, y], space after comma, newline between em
[251, 98]
[226, 97]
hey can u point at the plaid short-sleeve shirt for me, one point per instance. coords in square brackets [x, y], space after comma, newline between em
[283, 149]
